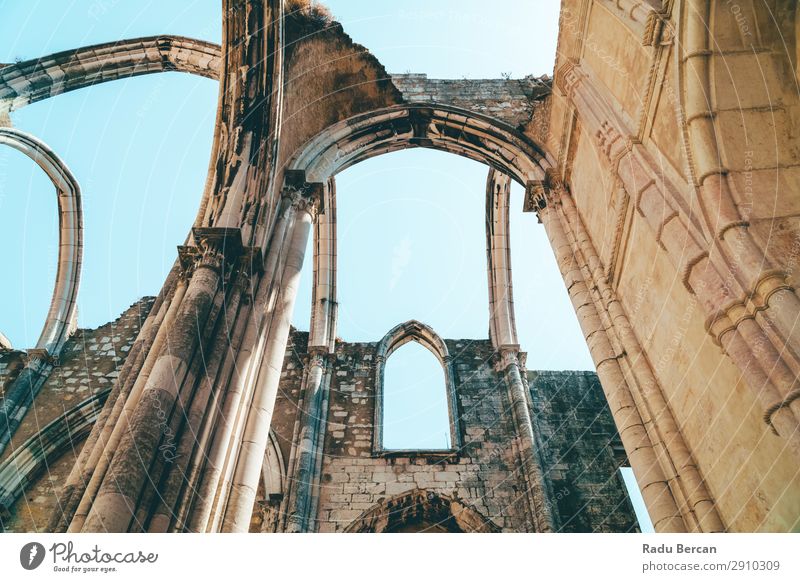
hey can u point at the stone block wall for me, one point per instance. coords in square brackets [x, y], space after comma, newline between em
[510, 100]
[88, 365]
[484, 474]
[581, 448]
[582, 452]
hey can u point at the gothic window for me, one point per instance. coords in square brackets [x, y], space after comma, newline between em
[414, 401]
[415, 395]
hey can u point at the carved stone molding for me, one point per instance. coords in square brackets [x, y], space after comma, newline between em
[729, 317]
[317, 356]
[658, 30]
[303, 196]
[785, 403]
[214, 248]
[568, 76]
[621, 202]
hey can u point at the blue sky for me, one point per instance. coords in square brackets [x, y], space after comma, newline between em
[411, 224]
[140, 147]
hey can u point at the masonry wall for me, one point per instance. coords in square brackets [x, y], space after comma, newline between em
[582, 452]
[754, 99]
[581, 449]
[510, 100]
[88, 365]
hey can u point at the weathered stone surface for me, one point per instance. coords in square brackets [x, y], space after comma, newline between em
[664, 175]
[580, 445]
[88, 365]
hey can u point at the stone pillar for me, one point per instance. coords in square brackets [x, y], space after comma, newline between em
[117, 497]
[698, 506]
[305, 463]
[247, 471]
[660, 502]
[182, 468]
[205, 506]
[87, 475]
[21, 392]
[530, 457]
[310, 439]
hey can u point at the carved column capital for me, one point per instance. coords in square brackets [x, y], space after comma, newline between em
[211, 256]
[541, 194]
[303, 196]
[506, 356]
[38, 358]
[213, 248]
[317, 356]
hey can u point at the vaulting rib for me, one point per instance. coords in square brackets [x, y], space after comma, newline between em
[19, 394]
[37, 79]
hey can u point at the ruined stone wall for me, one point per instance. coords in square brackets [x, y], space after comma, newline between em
[580, 445]
[582, 452]
[328, 78]
[510, 100]
[485, 473]
[88, 365]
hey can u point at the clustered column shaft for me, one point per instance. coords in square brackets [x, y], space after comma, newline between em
[259, 415]
[653, 482]
[117, 496]
[532, 466]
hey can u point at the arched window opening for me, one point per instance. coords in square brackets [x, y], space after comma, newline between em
[415, 414]
[415, 396]
[29, 229]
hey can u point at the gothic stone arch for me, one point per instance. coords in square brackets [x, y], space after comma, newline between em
[424, 335]
[62, 314]
[421, 510]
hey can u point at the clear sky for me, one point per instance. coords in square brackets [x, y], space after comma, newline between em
[411, 224]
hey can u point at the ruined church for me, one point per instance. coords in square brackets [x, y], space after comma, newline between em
[661, 154]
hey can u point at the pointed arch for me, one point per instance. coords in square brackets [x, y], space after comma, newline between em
[63, 304]
[424, 335]
[423, 509]
[410, 125]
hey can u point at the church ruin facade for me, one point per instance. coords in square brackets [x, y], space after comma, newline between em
[661, 159]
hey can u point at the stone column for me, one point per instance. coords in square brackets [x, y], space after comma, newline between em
[309, 440]
[660, 502]
[679, 462]
[305, 462]
[532, 466]
[21, 392]
[87, 475]
[247, 471]
[117, 497]
[206, 504]
[182, 470]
